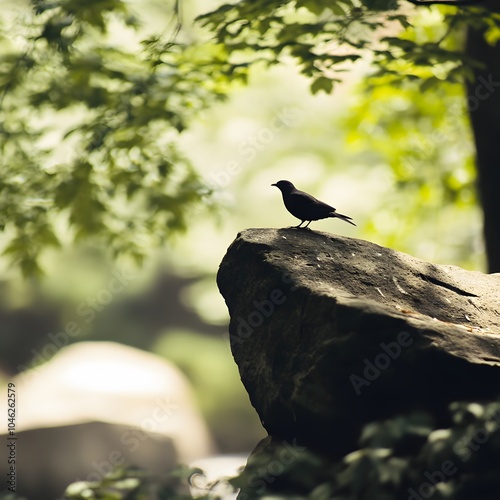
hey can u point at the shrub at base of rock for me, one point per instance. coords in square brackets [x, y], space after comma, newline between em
[405, 457]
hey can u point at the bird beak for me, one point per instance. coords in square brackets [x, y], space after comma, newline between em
[274, 185]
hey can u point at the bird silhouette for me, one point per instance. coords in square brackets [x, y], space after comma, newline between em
[306, 207]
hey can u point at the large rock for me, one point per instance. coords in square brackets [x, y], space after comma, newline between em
[330, 333]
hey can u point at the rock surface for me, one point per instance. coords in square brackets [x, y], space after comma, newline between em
[330, 333]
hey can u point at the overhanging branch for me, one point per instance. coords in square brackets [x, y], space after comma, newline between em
[445, 2]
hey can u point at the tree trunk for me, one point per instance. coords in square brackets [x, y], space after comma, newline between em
[483, 96]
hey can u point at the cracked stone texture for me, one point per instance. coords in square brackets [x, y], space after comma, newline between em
[331, 332]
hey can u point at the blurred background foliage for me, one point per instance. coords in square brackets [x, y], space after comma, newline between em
[125, 136]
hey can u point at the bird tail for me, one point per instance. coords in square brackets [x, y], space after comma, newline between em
[343, 217]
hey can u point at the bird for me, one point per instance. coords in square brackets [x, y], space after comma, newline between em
[306, 207]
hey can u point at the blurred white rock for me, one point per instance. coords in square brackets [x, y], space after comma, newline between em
[96, 405]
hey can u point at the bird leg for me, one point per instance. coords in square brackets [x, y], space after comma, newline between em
[305, 227]
[297, 227]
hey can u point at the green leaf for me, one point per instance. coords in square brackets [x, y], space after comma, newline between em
[322, 83]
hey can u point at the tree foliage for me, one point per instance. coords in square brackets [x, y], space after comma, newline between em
[92, 102]
[116, 108]
[419, 50]
[323, 36]
[424, 141]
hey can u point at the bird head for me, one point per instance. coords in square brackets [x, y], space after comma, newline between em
[284, 186]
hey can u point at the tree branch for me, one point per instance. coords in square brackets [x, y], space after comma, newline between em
[445, 2]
